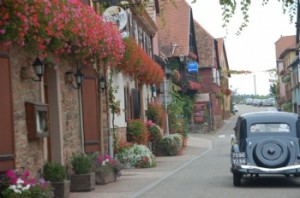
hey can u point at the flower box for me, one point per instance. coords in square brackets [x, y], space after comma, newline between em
[61, 189]
[105, 177]
[83, 182]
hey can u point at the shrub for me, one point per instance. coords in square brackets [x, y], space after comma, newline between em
[157, 114]
[82, 164]
[121, 145]
[137, 156]
[155, 132]
[54, 172]
[137, 132]
[172, 143]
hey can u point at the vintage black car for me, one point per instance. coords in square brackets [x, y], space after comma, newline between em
[265, 142]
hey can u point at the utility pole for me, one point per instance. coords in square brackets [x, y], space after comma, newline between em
[254, 79]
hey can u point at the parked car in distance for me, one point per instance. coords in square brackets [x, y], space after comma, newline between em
[235, 108]
[269, 102]
[249, 101]
[265, 142]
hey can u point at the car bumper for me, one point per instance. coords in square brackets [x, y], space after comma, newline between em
[249, 169]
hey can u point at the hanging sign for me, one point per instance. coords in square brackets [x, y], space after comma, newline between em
[116, 15]
[192, 67]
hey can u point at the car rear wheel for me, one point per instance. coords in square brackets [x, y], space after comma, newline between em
[237, 179]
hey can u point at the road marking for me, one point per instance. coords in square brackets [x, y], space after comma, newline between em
[222, 136]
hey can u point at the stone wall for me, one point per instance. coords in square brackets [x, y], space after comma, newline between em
[32, 154]
[29, 153]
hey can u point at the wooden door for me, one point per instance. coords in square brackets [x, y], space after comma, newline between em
[7, 151]
[91, 121]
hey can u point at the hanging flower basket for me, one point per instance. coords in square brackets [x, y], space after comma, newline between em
[137, 64]
[61, 27]
[226, 92]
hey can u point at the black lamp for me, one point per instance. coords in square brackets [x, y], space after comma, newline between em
[101, 84]
[38, 67]
[78, 79]
[69, 78]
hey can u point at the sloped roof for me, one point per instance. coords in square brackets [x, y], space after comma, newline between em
[205, 46]
[174, 27]
[284, 43]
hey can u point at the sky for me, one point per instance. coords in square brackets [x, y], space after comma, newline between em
[254, 48]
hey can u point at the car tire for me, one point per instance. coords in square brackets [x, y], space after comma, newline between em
[237, 179]
[271, 153]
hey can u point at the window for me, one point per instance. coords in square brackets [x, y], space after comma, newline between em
[270, 127]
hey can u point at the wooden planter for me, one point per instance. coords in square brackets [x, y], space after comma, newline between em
[105, 178]
[61, 189]
[83, 182]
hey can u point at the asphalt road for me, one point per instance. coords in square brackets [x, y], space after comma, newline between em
[209, 175]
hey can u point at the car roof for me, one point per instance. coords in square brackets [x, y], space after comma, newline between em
[270, 116]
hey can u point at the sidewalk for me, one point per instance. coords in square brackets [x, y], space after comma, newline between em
[134, 182]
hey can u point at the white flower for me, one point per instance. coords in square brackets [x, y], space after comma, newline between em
[20, 181]
[26, 187]
[13, 187]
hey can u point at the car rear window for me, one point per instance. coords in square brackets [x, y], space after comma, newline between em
[270, 127]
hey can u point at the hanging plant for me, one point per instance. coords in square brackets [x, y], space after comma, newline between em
[226, 92]
[61, 27]
[137, 64]
[219, 95]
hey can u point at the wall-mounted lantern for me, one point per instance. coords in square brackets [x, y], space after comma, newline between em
[38, 67]
[78, 77]
[101, 84]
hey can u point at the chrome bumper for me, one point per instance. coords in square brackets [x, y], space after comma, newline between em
[257, 169]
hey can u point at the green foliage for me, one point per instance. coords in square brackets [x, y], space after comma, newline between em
[82, 164]
[137, 132]
[156, 114]
[287, 107]
[137, 156]
[180, 112]
[229, 8]
[54, 172]
[172, 143]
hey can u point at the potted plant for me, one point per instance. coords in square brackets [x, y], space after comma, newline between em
[83, 178]
[106, 169]
[57, 174]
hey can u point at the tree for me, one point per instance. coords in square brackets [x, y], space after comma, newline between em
[274, 90]
[229, 8]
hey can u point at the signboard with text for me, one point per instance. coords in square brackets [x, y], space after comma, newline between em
[192, 67]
